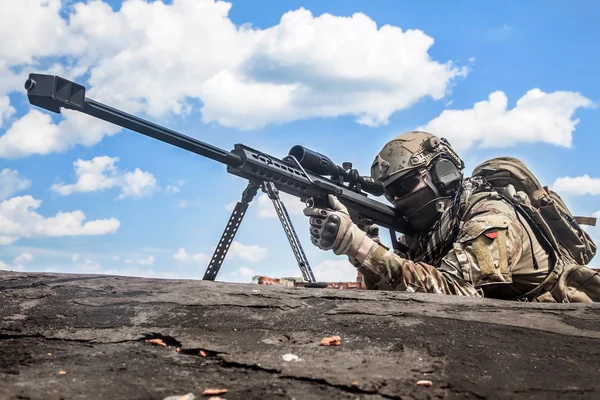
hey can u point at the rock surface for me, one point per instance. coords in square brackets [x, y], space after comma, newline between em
[85, 337]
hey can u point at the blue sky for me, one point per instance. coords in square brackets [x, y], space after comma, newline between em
[341, 77]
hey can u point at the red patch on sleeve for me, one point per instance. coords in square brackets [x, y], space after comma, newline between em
[491, 234]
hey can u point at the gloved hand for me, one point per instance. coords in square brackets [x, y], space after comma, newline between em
[332, 229]
[373, 232]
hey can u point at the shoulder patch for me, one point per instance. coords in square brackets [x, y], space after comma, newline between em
[489, 224]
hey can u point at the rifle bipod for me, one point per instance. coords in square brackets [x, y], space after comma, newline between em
[236, 219]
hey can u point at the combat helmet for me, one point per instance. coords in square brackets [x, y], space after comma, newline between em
[418, 151]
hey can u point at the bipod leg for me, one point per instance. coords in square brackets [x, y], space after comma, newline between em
[286, 223]
[230, 230]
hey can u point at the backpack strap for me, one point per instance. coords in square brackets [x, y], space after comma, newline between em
[546, 285]
[547, 241]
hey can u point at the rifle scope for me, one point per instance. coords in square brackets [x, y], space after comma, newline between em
[319, 164]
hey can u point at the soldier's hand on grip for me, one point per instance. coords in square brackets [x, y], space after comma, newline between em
[332, 229]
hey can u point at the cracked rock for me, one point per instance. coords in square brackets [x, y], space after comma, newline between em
[235, 336]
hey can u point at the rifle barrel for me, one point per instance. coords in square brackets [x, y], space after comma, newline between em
[118, 117]
[52, 92]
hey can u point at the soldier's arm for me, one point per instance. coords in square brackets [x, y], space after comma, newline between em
[488, 246]
[383, 269]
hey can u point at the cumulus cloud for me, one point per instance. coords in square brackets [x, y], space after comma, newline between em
[265, 207]
[100, 173]
[40, 29]
[252, 253]
[148, 261]
[183, 256]
[23, 257]
[537, 117]
[577, 186]
[36, 133]
[17, 267]
[305, 66]
[335, 271]
[237, 250]
[174, 188]
[18, 219]
[6, 110]
[11, 182]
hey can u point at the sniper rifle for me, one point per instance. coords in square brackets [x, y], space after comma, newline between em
[303, 173]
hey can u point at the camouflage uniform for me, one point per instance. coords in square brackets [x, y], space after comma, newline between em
[491, 256]
[466, 239]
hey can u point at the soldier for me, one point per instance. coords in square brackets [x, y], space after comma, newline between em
[469, 239]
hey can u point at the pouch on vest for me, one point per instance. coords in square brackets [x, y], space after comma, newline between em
[577, 284]
[564, 228]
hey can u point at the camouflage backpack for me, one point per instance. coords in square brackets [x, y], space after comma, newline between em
[547, 209]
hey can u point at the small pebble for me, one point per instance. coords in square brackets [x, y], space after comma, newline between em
[189, 396]
[290, 357]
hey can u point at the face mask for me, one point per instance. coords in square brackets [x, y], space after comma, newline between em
[419, 208]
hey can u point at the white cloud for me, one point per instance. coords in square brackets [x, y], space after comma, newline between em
[4, 240]
[36, 133]
[326, 66]
[251, 253]
[40, 29]
[305, 66]
[75, 257]
[6, 267]
[6, 110]
[137, 184]
[182, 204]
[183, 256]
[100, 173]
[23, 257]
[174, 188]
[241, 275]
[11, 182]
[577, 186]
[265, 208]
[9, 82]
[18, 219]
[87, 267]
[537, 117]
[335, 271]
[149, 261]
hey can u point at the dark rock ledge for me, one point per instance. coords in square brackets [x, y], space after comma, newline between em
[94, 328]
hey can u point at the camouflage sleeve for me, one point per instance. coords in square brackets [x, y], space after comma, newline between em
[383, 269]
[493, 248]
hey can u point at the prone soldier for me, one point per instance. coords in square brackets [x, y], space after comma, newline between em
[471, 238]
